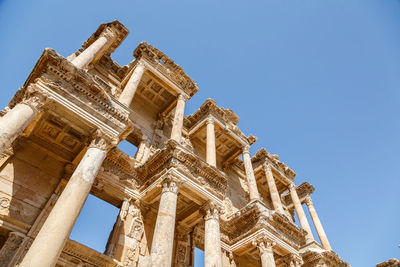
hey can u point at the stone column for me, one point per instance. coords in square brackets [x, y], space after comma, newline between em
[163, 238]
[300, 212]
[129, 91]
[177, 124]
[212, 236]
[251, 180]
[142, 152]
[96, 49]
[51, 238]
[317, 224]
[276, 199]
[14, 122]
[265, 246]
[211, 156]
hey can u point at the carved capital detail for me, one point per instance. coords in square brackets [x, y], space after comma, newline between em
[211, 210]
[291, 186]
[246, 149]
[210, 120]
[170, 184]
[102, 141]
[308, 200]
[264, 244]
[36, 100]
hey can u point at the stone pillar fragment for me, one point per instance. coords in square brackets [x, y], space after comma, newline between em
[212, 236]
[129, 91]
[95, 50]
[163, 238]
[265, 247]
[177, 124]
[276, 199]
[211, 156]
[300, 212]
[14, 122]
[317, 223]
[51, 238]
[251, 180]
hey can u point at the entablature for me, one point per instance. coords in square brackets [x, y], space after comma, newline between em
[255, 217]
[63, 84]
[173, 155]
[159, 61]
[262, 156]
[303, 190]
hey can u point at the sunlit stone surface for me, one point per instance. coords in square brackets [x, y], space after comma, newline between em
[192, 183]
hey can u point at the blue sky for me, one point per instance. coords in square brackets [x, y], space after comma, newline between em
[316, 81]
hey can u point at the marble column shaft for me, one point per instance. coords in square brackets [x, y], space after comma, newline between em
[129, 91]
[276, 199]
[95, 49]
[163, 238]
[210, 149]
[317, 223]
[212, 238]
[300, 212]
[266, 252]
[177, 124]
[251, 180]
[14, 122]
[51, 238]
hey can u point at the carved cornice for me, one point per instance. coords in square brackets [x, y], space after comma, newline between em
[389, 263]
[56, 76]
[226, 116]
[329, 258]
[85, 254]
[173, 155]
[166, 66]
[287, 229]
[262, 156]
[303, 190]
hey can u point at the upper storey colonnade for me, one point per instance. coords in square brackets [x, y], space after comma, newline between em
[114, 112]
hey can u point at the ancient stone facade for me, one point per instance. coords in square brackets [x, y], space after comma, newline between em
[192, 183]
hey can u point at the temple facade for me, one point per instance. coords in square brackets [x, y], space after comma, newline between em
[192, 183]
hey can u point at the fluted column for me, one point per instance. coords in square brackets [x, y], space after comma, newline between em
[251, 180]
[317, 223]
[129, 91]
[14, 122]
[212, 236]
[51, 238]
[96, 49]
[300, 212]
[163, 238]
[276, 199]
[211, 153]
[265, 247]
[177, 124]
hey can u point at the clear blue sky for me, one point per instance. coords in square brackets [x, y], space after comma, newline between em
[316, 81]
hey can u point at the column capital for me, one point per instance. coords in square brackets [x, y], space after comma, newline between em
[246, 149]
[182, 97]
[170, 184]
[211, 210]
[35, 99]
[267, 167]
[292, 260]
[292, 186]
[263, 243]
[109, 33]
[210, 120]
[308, 200]
[102, 141]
